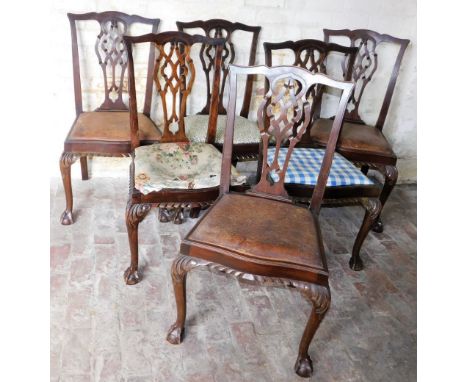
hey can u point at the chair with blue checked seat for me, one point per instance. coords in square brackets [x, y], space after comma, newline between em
[346, 185]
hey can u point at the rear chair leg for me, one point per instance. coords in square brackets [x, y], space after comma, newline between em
[134, 214]
[373, 208]
[66, 160]
[84, 168]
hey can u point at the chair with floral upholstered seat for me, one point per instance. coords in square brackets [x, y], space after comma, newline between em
[173, 174]
[106, 130]
[246, 136]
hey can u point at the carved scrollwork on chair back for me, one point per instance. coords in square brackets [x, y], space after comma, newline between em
[174, 74]
[111, 54]
[312, 55]
[218, 28]
[365, 66]
[283, 116]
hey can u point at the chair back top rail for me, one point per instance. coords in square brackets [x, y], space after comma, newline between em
[173, 73]
[365, 66]
[220, 28]
[111, 54]
[283, 106]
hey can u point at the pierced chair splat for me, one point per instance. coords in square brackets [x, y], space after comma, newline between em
[262, 236]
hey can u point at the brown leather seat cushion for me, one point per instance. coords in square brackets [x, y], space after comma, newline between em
[262, 230]
[354, 138]
[111, 126]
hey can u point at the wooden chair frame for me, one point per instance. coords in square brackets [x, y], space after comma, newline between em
[171, 202]
[225, 29]
[198, 254]
[364, 67]
[81, 149]
[312, 55]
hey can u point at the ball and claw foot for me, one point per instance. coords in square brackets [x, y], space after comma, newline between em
[131, 276]
[378, 226]
[66, 218]
[174, 336]
[165, 215]
[304, 367]
[356, 264]
[178, 216]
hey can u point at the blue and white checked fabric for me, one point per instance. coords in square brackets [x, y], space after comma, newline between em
[304, 167]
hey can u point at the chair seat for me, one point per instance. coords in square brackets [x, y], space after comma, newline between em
[179, 166]
[354, 139]
[304, 168]
[245, 131]
[259, 236]
[113, 126]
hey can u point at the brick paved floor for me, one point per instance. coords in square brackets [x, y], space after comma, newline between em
[103, 330]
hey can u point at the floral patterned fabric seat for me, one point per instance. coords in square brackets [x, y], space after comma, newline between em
[245, 131]
[179, 166]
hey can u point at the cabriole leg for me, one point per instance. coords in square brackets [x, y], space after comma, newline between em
[373, 208]
[320, 297]
[391, 176]
[180, 267]
[134, 214]
[66, 160]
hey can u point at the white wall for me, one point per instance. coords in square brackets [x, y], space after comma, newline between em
[280, 20]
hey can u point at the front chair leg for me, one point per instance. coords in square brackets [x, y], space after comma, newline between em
[391, 176]
[320, 297]
[134, 214]
[180, 267]
[373, 208]
[66, 160]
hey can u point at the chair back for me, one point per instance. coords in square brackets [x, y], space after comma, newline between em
[283, 106]
[218, 28]
[312, 55]
[365, 66]
[173, 73]
[111, 55]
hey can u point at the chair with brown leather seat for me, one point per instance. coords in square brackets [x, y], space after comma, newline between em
[246, 137]
[106, 130]
[262, 236]
[359, 142]
[347, 185]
